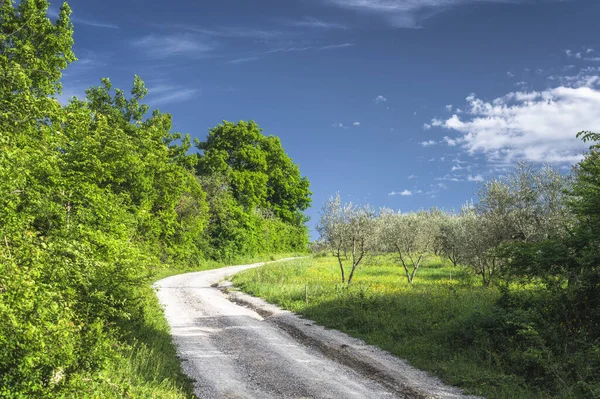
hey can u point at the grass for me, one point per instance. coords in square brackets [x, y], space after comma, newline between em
[421, 323]
[145, 364]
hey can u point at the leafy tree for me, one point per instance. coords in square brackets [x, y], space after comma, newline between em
[451, 237]
[257, 170]
[411, 236]
[347, 229]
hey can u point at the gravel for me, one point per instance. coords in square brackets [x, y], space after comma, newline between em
[237, 346]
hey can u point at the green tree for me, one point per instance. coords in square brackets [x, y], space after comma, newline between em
[257, 170]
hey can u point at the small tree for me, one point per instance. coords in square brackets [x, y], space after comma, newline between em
[527, 206]
[451, 238]
[481, 239]
[347, 229]
[410, 236]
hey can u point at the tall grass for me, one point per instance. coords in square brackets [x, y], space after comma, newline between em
[423, 322]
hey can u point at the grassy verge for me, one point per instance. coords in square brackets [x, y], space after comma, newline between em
[422, 323]
[145, 363]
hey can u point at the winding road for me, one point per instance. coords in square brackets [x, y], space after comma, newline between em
[236, 346]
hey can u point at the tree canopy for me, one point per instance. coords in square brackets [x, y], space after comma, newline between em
[256, 168]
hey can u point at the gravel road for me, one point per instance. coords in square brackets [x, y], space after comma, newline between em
[236, 346]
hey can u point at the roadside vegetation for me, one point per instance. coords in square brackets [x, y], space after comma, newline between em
[99, 197]
[501, 298]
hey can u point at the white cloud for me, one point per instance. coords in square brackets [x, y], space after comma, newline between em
[336, 46]
[412, 177]
[405, 193]
[456, 167]
[228, 32]
[242, 60]
[426, 126]
[449, 141]
[356, 124]
[165, 46]
[436, 122]
[339, 125]
[167, 94]
[407, 13]
[453, 178]
[580, 56]
[533, 126]
[477, 178]
[572, 54]
[449, 107]
[315, 23]
[510, 74]
[380, 99]
[428, 143]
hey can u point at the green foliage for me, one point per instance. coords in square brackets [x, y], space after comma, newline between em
[95, 198]
[255, 193]
[563, 315]
[256, 169]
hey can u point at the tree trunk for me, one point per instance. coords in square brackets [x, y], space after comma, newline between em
[339, 257]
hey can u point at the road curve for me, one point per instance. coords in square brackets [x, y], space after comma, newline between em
[231, 351]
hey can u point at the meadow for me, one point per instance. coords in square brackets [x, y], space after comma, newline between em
[428, 323]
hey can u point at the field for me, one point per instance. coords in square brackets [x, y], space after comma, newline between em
[427, 323]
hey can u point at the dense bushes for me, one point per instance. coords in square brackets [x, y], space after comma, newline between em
[94, 197]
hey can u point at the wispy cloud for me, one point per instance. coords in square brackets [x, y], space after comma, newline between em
[231, 32]
[380, 99]
[357, 124]
[449, 141]
[584, 55]
[242, 60]
[336, 46]
[165, 93]
[476, 178]
[314, 23]
[290, 49]
[408, 13]
[428, 143]
[449, 177]
[53, 13]
[165, 46]
[405, 193]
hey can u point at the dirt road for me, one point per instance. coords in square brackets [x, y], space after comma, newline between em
[231, 351]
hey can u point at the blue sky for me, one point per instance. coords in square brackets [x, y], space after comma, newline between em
[399, 103]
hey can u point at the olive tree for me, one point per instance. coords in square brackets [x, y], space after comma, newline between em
[481, 238]
[525, 206]
[411, 236]
[528, 205]
[347, 230]
[452, 233]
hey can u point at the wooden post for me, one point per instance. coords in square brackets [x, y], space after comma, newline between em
[306, 294]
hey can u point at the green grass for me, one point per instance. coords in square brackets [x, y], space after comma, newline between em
[421, 323]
